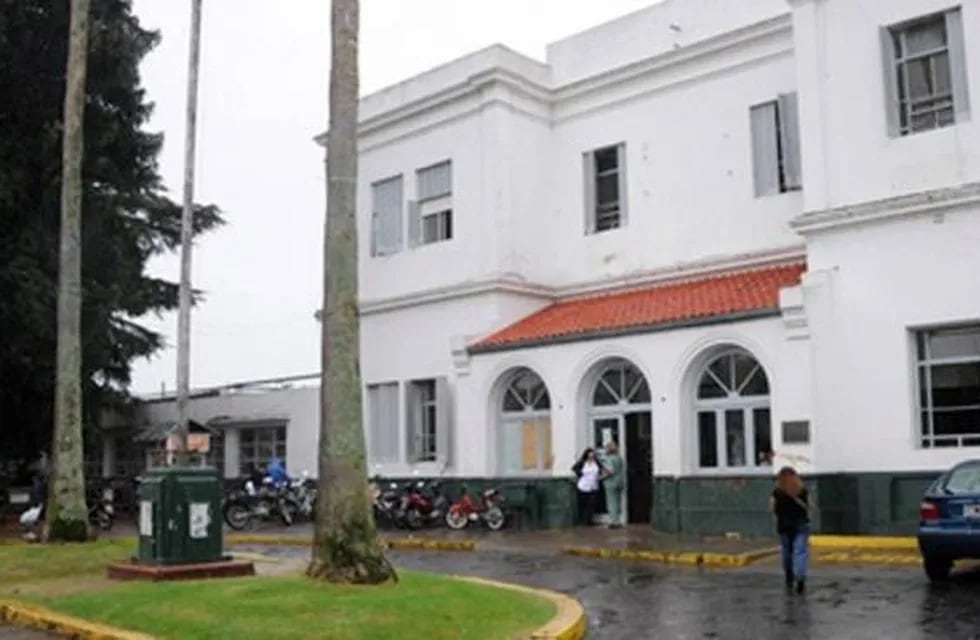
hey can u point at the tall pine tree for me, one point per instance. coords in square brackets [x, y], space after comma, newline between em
[126, 214]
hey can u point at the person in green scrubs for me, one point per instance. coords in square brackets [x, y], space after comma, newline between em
[613, 483]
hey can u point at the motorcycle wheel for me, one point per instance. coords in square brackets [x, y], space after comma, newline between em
[495, 519]
[287, 512]
[456, 519]
[413, 519]
[104, 520]
[237, 515]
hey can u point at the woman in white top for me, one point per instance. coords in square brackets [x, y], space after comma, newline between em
[589, 472]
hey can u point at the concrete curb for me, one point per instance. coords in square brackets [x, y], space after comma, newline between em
[405, 544]
[569, 621]
[895, 559]
[41, 619]
[687, 558]
[873, 543]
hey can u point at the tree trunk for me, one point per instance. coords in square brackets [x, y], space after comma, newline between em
[346, 547]
[66, 512]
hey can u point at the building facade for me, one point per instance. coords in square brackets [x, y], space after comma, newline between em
[727, 235]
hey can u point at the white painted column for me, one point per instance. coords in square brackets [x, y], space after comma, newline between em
[232, 451]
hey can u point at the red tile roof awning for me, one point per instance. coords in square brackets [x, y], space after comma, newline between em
[741, 294]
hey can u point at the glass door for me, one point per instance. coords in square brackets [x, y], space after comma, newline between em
[606, 429]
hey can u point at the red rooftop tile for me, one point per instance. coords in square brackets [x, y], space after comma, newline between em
[716, 296]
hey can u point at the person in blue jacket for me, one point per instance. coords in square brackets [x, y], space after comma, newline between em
[276, 471]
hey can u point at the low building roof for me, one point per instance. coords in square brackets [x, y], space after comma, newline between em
[721, 296]
[158, 432]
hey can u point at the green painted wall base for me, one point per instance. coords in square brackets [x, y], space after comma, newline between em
[538, 503]
[845, 503]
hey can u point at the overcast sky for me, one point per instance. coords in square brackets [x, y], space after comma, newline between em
[263, 97]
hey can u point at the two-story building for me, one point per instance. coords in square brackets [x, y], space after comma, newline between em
[707, 230]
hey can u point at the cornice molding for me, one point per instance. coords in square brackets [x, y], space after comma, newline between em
[932, 202]
[511, 284]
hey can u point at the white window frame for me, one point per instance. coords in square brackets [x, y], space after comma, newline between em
[776, 159]
[895, 65]
[437, 207]
[390, 451]
[733, 402]
[542, 418]
[278, 442]
[428, 442]
[924, 362]
[591, 177]
[381, 245]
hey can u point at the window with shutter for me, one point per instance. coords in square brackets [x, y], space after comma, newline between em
[925, 73]
[386, 216]
[776, 161]
[432, 219]
[423, 420]
[605, 188]
[383, 427]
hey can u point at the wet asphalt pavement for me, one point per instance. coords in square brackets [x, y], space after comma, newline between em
[645, 600]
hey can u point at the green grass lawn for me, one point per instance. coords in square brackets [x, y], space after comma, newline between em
[420, 606]
[22, 563]
[71, 579]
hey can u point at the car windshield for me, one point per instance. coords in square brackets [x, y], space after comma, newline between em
[965, 479]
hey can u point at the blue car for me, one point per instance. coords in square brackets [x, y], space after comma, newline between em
[949, 524]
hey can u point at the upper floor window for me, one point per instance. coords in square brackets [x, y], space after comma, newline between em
[431, 216]
[605, 189]
[949, 386]
[386, 216]
[776, 146]
[925, 76]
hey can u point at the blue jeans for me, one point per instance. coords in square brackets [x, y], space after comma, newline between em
[796, 552]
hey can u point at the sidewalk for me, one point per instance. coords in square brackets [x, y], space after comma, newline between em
[637, 542]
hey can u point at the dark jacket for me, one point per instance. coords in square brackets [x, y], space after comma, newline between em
[792, 513]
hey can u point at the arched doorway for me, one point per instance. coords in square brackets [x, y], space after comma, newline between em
[620, 410]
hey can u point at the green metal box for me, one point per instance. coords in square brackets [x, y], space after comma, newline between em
[180, 516]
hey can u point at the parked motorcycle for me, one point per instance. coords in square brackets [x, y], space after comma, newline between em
[303, 492]
[387, 504]
[244, 507]
[467, 509]
[102, 512]
[423, 504]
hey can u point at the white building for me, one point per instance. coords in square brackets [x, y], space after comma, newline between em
[709, 230]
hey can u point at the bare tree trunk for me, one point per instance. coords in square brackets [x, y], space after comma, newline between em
[187, 238]
[66, 512]
[346, 547]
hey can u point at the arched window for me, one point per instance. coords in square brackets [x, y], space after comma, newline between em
[620, 383]
[734, 428]
[525, 424]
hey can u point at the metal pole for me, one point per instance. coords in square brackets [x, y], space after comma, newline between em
[186, 237]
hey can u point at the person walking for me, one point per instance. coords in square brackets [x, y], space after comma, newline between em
[588, 472]
[790, 502]
[613, 484]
